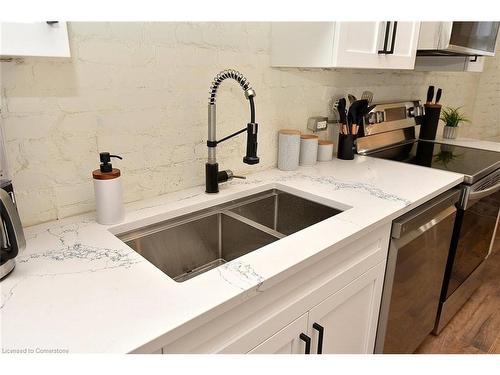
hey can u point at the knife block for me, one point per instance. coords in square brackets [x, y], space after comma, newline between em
[430, 122]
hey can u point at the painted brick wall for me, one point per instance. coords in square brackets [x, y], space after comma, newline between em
[140, 90]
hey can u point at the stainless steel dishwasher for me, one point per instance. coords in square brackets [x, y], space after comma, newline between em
[420, 242]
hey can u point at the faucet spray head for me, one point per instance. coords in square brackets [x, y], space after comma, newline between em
[251, 156]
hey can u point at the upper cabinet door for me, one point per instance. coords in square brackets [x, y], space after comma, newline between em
[302, 44]
[34, 39]
[376, 45]
[405, 45]
[369, 45]
[356, 44]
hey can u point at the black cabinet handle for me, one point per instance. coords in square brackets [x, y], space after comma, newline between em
[393, 41]
[386, 38]
[50, 23]
[321, 331]
[307, 340]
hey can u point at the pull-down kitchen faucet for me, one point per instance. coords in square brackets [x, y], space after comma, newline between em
[212, 174]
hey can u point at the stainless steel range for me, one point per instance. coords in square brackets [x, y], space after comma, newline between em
[395, 138]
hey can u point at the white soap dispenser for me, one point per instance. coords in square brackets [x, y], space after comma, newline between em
[108, 191]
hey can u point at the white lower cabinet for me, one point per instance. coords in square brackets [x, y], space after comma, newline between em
[285, 341]
[339, 294]
[347, 319]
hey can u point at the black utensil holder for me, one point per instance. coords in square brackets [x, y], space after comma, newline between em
[430, 122]
[346, 148]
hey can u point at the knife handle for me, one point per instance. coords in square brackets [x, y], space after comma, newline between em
[430, 94]
[438, 95]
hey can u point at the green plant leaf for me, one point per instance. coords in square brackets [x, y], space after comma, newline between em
[452, 116]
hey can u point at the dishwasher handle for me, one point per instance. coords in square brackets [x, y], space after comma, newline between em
[414, 232]
[428, 214]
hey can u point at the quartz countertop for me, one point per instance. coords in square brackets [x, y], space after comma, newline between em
[78, 288]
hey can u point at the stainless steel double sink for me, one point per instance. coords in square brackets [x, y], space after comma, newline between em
[189, 245]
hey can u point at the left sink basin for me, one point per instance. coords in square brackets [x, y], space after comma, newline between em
[189, 246]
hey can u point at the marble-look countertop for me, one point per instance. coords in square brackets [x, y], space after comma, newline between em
[472, 143]
[78, 288]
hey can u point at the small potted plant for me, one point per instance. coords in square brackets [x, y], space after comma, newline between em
[452, 119]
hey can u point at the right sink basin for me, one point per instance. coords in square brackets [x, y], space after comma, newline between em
[192, 244]
[284, 212]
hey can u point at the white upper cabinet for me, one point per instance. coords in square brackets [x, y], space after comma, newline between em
[371, 45]
[49, 39]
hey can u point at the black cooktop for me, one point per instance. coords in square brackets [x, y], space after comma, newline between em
[471, 162]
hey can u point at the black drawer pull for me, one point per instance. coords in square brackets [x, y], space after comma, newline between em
[394, 30]
[307, 340]
[386, 38]
[321, 331]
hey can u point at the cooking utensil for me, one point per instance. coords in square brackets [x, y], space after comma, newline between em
[368, 95]
[430, 94]
[438, 96]
[351, 98]
[356, 111]
[341, 108]
[355, 114]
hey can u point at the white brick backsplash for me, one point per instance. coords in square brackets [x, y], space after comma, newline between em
[23, 127]
[141, 90]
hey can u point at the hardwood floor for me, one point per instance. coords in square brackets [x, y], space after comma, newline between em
[476, 327]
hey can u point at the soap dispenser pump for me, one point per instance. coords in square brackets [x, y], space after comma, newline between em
[108, 191]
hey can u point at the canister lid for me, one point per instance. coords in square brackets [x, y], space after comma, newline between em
[289, 131]
[99, 175]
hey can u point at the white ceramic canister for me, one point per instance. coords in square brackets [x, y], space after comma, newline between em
[325, 150]
[108, 192]
[308, 149]
[288, 149]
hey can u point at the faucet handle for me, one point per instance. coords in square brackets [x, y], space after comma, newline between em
[227, 175]
[231, 175]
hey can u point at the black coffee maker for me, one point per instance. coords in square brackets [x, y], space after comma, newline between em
[11, 231]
